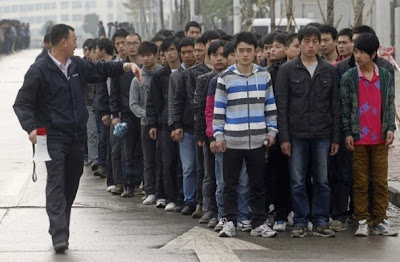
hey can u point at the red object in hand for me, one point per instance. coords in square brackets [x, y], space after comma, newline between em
[41, 131]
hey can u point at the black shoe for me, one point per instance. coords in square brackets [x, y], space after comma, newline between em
[188, 210]
[101, 172]
[95, 166]
[60, 247]
[178, 209]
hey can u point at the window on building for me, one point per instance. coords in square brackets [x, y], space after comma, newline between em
[64, 5]
[64, 18]
[76, 4]
[76, 17]
[90, 4]
[110, 4]
[38, 6]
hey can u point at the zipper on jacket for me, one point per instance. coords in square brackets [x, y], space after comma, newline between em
[248, 111]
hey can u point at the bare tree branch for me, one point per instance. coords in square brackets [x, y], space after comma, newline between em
[322, 12]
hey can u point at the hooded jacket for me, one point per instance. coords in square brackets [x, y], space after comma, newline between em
[138, 94]
[245, 110]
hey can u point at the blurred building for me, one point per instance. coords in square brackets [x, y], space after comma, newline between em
[71, 12]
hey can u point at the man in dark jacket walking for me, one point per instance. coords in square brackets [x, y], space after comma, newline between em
[52, 97]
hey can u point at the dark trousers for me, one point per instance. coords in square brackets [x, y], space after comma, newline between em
[101, 140]
[113, 166]
[169, 156]
[278, 169]
[129, 143]
[199, 173]
[209, 182]
[63, 174]
[149, 161]
[255, 165]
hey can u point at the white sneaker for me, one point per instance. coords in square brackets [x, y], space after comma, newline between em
[290, 219]
[263, 231]
[280, 226]
[219, 226]
[384, 229]
[245, 226]
[160, 203]
[362, 230]
[310, 226]
[228, 230]
[110, 188]
[170, 207]
[150, 200]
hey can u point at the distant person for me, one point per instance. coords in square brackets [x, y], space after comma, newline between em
[101, 32]
[46, 48]
[193, 30]
[52, 97]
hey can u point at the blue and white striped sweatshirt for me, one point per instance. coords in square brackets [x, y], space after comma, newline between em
[245, 109]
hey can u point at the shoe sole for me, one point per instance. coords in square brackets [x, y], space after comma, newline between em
[299, 236]
[61, 249]
[244, 229]
[385, 234]
[226, 235]
[361, 235]
[337, 229]
[321, 235]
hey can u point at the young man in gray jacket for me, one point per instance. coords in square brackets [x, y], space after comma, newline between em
[138, 94]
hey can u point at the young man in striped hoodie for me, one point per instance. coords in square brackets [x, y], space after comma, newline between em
[244, 120]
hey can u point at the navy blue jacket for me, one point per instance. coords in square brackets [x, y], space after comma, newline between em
[48, 99]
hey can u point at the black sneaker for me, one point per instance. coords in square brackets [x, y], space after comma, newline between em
[323, 231]
[60, 247]
[178, 209]
[298, 231]
[188, 209]
[100, 172]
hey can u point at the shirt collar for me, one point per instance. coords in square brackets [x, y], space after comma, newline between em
[58, 63]
[361, 75]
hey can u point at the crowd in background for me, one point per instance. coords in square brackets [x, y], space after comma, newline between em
[14, 36]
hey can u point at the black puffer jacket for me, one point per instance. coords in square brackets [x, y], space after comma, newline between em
[182, 114]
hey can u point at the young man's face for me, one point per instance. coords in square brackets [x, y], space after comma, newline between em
[187, 55]
[171, 54]
[293, 50]
[209, 42]
[119, 43]
[217, 59]
[309, 46]
[199, 52]
[99, 54]
[260, 54]
[132, 43]
[148, 60]
[193, 32]
[231, 59]
[345, 46]
[278, 51]
[328, 45]
[267, 51]
[86, 52]
[362, 58]
[93, 56]
[245, 53]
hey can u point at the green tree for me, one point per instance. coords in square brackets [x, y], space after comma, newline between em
[90, 22]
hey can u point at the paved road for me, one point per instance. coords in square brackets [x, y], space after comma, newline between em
[106, 227]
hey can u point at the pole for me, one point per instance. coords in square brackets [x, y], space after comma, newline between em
[236, 16]
[192, 10]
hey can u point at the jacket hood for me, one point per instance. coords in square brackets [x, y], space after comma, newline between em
[235, 70]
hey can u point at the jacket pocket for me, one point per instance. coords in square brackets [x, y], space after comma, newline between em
[297, 85]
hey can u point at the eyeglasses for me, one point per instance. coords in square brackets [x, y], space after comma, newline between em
[132, 43]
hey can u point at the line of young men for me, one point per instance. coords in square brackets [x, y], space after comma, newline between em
[203, 131]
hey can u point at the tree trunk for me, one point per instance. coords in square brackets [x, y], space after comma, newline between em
[272, 15]
[289, 15]
[330, 19]
[358, 13]
[162, 13]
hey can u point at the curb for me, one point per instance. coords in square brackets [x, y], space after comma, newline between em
[394, 196]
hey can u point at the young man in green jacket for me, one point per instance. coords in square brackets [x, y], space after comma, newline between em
[368, 112]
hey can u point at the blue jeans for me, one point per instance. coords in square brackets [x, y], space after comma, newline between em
[242, 189]
[301, 150]
[187, 150]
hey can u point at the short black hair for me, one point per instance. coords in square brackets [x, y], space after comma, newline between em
[147, 47]
[346, 32]
[214, 47]
[229, 48]
[46, 38]
[157, 38]
[368, 43]
[165, 32]
[120, 33]
[136, 34]
[363, 29]
[280, 38]
[60, 32]
[170, 40]
[88, 42]
[315, 24]
[92, 45]
[260, 44]
[187, 41]
[210, 35]
[268, 39]
[308, 30]
[290, 38]
[245, 37]
[180, 34]
[328, 29]
[227, 38]
[199, 41]
[107, 44]
[192, 24]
